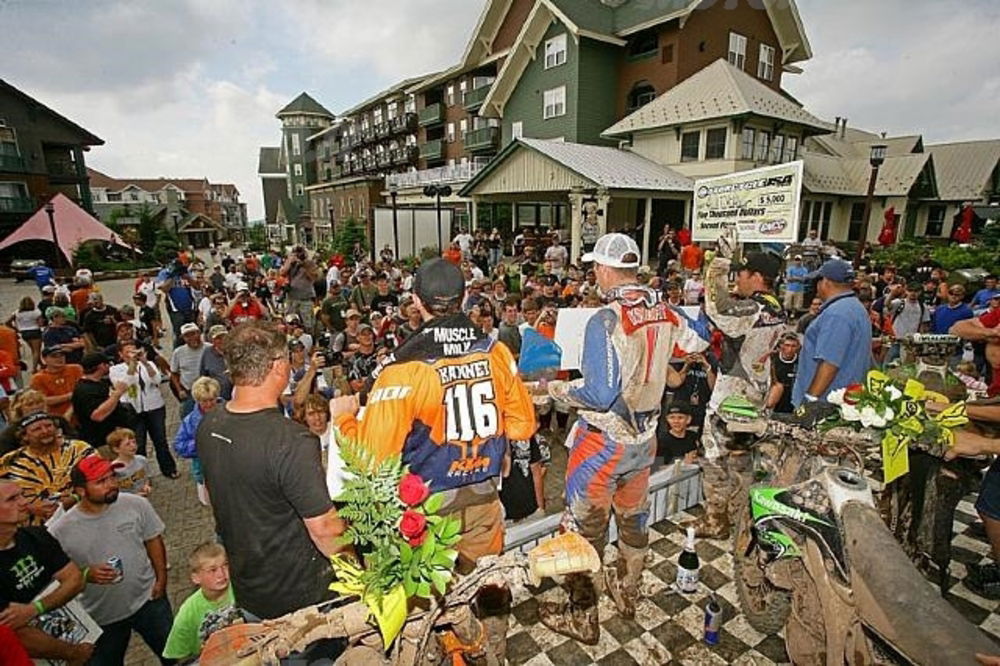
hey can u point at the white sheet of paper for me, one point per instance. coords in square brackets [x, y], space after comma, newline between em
[570, 327]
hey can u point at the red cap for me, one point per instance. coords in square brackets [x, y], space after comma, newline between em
[92, 468]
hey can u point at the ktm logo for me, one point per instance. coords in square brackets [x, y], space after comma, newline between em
[469, 465]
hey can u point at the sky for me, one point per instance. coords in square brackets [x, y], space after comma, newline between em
[189, 88]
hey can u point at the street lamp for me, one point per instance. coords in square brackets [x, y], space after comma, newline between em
[50, 210]
[177, 232]
[438, 191]
[329, 212]
[877, 158]
[393, 193]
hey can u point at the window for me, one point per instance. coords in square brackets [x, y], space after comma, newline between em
[462, 85]
[297, 168]
[746, 145]
[935, 221]
[450, 96]
[555, 51]
[516, 130]
[554, 103]
[643, 45]
[450, 133]
[390, 110]
[463, 128]
[378, 116]
[765, 65]
[763, 143]
[299, 190]
[857, 220]
[777, 147]
[642, 94]
[17, 190]
[737, 50]
[690, 142]
[791, 148]
[411, 104]
[114, 196]
[715, 143]
[296, 145]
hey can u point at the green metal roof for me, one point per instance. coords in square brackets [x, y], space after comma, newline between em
[304, 104]
[588, 15]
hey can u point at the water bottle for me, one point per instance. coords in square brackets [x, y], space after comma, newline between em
[968, 353]
[688, 566]
[713, 621]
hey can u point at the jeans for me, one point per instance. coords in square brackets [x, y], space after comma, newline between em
[152, 622]
[154, 423]
[496, 254]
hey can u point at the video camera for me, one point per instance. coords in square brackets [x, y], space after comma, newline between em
[331, 356]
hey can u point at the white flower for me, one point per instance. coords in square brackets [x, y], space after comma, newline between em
[850, 413]
[870, 418]
[894, 393]
[836, 397]
[889, 415]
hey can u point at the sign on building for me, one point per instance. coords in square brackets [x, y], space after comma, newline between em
[763, 203]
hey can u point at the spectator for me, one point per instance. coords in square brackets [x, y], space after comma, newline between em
[175, 283]
[784, 364]
[131, 468]
[509, 329]
[301, 272]
[28, 323]
[244, 307]
[495, 245]
[30, 560]
[100, 322]
[674, 437]
[185, 365]
[105, 524]
[522, 492]
[41, 274]
[693, 384]
[984, 328]
[906, 316]
[213, 362]
[209, 569]
[146, 287]
[362, 295]
[692, 257]
[333, 308]
[41, 467]
[812, 239]
[96, 403]
[142, 380]
[923, 269]
[384, 301]
[795, 285]
[837, 345]
[62, 334]
[205, 393]
[464, 240]
[57, 380]
[557, 255]
[667, 250]
[945, 316]
[981, 300]
[27, 401]
[265, 478]
[694, 289]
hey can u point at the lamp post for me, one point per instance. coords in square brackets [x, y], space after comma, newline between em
[329, 212]
[877, 158]
[177, 232]
[393, 193]
[438, 191]
[50, 210]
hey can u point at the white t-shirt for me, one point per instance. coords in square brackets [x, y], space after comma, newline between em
[336, 472]
[693, 289]
[332, 275]
[464, 242]
[148, 289]
[27, 320]
[204, 307]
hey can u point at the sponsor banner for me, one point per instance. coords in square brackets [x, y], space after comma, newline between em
[763, 203]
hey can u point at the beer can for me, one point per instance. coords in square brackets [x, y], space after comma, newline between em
[713, 621]
[115, 563]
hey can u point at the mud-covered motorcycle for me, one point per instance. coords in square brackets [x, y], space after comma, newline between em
[813, 556]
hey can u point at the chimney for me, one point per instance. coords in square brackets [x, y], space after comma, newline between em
[843, 129]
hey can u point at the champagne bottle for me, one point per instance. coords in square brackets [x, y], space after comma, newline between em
[688, 566]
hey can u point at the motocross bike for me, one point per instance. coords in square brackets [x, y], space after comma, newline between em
[812, 555]
[452, 627]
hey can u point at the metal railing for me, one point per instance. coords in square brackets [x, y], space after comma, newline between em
[432, 115]
[484, 138]
[458, 173]
[432, 150]
[473, 99]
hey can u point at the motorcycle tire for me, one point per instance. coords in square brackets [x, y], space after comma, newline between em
[764, 606]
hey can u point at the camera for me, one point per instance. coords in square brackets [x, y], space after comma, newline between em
[331, 356]
[177, 269]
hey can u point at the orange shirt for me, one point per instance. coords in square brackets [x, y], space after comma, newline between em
[691, 257]
[454, 255]
[78, 299]
[52, 384]
[8, 342]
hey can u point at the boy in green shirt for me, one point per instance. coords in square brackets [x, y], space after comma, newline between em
[210, 572]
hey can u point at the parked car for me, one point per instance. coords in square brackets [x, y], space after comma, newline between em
[20, 268]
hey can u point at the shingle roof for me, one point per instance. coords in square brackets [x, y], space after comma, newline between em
[720, 90]
[85, 136]
[100, 180]
[849, 176]
[587, 15]
[304, 104]
[963, 169]
[269, 160]
[858, 143]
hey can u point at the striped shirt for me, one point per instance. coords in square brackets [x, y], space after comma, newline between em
[44, 476]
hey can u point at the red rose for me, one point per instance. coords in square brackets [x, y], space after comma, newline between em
[413, 490]
[853, 393]
[413, 527]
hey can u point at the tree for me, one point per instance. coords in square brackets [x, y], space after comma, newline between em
[350, 232]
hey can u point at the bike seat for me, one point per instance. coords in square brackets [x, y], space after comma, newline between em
[903, 607]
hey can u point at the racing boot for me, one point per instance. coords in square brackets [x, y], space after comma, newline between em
[622, 580]
[577, 616]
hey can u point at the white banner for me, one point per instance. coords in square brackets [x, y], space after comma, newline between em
[764, 205]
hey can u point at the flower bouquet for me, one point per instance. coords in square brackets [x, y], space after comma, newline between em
[899, 412]
[406, 549]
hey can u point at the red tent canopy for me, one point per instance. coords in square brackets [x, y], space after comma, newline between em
[74, 225]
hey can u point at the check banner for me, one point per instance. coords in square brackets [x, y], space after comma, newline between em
[763, 204]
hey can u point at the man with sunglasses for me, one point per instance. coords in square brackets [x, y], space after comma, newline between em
[954, 311]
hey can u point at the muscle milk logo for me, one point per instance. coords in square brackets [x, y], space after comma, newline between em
[454, 341]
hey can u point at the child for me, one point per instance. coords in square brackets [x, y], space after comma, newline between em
[131, 469]
[214, 597]
[676, 440]
[205, 392]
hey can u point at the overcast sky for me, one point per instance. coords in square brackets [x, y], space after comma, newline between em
[189, 88]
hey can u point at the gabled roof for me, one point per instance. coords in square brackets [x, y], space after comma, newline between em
[304, 104]
[603, 166]
[718, 91]
[398, 89]
[480, 44]
[858, 143]
[100, 180]
[86, 138]
[964, 169]
[269, 160]
[825, 174]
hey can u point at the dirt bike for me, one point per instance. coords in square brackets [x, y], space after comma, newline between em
[813, 556]
[451, 627]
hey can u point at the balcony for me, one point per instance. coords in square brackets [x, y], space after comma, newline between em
[405, 155]
[432, 115]
[483, 139]
[384, 159]
[369, 163]
[383, 130]
[432, 150]
[61, 170]
[12, 163]
[460, 173]
[473, 99]
[17, 205]
[367, 134]
[404, 124]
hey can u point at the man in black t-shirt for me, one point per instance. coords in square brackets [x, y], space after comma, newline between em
[784, 365]
[674, 437]
[267, 484]
[384, 299]
[30, 560]
[96, 402]
[100, 321]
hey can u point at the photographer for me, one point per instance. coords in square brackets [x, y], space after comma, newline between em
[313, 381]
[300, 372]
[301, 273]
[175, 284]
[244, 307]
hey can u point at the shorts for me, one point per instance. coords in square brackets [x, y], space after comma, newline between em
[31, 334]
[988, 504]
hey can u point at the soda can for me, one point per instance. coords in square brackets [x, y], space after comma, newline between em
[115, 563]
[713, 621]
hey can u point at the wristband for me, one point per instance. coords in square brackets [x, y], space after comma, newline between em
[810, 398]
[86, 572]
[39, 606]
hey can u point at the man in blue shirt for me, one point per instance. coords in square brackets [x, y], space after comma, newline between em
[956, 310]
[43, 275]
[795, 285]
[173, 281]
[838, 344]
[981, 301]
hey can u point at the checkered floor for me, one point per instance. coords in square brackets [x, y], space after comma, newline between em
[668, 626]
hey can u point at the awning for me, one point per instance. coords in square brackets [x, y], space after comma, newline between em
[74, 225]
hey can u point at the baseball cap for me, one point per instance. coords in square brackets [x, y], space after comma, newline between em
[351, 313]
[242, 286]
[54, 311]
[439, 282]
[295, 343]
[216, 331]
[678, 408]
[92, 468]
[616, 250]
[49, 351]
[293, 320]
[48, 289]
[93, 359]
[834, 270]
[366, 327]
[767, 265]
[189, 327]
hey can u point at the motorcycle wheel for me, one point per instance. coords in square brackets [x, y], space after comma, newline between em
[765, 606]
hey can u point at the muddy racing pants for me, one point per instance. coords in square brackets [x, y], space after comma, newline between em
[603, 475]
[724, 471]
